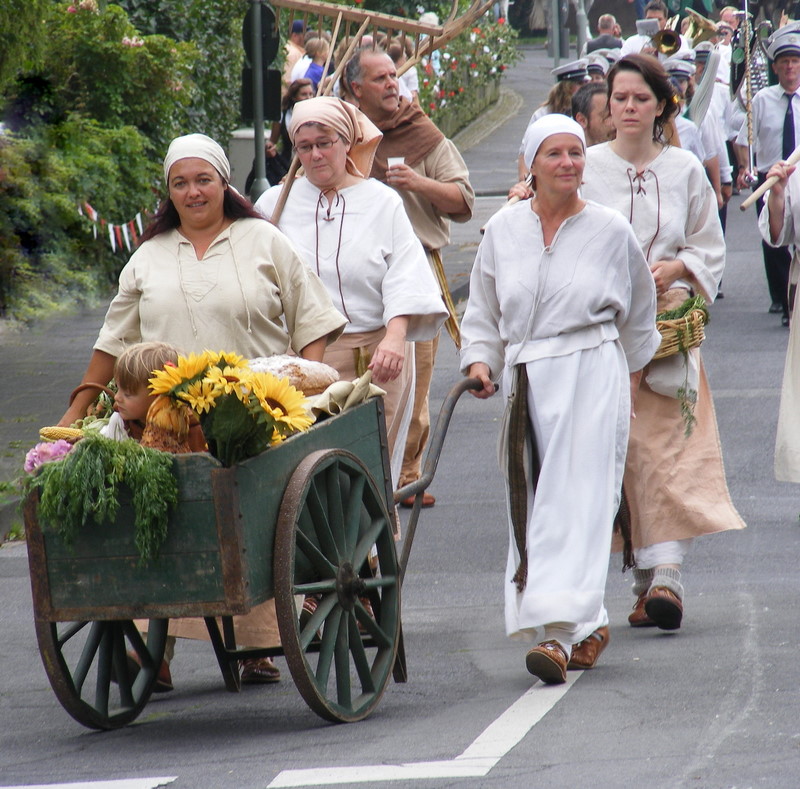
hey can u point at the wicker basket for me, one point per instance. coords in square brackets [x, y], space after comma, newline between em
[681, 334]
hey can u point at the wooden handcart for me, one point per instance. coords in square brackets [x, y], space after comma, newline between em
[312, 516]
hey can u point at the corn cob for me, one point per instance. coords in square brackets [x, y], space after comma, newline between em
[70, 434]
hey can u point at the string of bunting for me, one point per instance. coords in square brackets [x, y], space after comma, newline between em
[119, 235]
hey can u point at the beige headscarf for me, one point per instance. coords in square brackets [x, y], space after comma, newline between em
[361, 136]
[197, 146]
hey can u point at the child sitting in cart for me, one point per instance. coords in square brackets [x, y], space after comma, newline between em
[132, 371]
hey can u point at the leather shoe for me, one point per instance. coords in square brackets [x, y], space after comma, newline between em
[638, 617]
[785, 321]
[664, 607]
[427, 501]
[259, 671]
[775, 308]
[585, 653]
[548, 662]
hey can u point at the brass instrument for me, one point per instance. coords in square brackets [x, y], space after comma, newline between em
[666, 42]
[700, 28]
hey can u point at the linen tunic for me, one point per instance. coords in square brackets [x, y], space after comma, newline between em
[787, 439]
[365, 252]
[250, 294]
[579, 315]
[374, 269]
[675, 486]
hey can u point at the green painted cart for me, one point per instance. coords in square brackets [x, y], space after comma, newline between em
[313, 516]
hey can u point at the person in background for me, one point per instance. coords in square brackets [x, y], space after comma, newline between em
[607, 35]
[317, 49]
[776, 132]
[294, 50]
[433, 182]
[590, 110]
[569, 78]
[354, 233]
[561, 306]
[597, 68]
[400, 51]
[638, 43]
[779, 224]
[674, 483]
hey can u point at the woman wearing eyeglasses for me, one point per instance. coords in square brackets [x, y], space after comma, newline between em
[354, 233]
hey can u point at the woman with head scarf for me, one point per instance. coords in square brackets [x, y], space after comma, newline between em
[354, 233]
[561, 309]
[675, 483]
[210, 272]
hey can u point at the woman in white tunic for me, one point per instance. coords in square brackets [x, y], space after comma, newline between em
[779, 223]
[561, 305]
[674, 485]
[354, 233]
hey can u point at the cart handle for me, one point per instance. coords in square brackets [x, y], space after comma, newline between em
[418, 487]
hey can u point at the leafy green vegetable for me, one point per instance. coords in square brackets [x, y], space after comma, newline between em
[83, 488]
[694, 303]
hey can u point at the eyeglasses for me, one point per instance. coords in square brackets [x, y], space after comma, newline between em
[306, 148]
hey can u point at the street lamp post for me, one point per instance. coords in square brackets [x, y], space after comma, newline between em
[260, 183]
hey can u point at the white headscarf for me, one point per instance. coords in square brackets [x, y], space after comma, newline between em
[197, 146]
[545, 127]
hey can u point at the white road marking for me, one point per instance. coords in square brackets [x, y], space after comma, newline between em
[491, 745]
[125, 783]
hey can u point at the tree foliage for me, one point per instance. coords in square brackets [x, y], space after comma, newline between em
[215, 28]
[22, 36]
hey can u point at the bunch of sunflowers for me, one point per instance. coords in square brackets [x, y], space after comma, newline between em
[242, 412]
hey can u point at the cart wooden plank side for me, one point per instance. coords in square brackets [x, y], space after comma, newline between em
[311, 519]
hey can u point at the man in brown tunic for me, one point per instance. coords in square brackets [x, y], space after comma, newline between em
[433, 182]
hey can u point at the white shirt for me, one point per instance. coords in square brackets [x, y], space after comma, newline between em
[590, 280]
[670, 205]
[379, 270]
[636, 43]
[299, 69]
[769, 109]
[690, 137]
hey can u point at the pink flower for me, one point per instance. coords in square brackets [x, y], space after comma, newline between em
[46, 452]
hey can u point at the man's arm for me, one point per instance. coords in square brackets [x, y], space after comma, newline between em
[447, 198]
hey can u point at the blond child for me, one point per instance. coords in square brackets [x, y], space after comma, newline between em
[132, 371]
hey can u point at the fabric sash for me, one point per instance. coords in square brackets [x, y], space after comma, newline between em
[453, 329]
[408, 133]
[519, 432]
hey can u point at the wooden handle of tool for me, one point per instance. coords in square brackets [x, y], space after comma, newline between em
[510, 201]
[769, 183]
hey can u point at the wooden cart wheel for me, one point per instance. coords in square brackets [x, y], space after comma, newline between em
[334, 545]
[88, 667]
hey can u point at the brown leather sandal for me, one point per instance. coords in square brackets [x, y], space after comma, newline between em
[585, 653]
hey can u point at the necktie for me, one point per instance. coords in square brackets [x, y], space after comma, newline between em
[788, 128]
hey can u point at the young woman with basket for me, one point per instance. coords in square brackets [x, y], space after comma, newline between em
[674, 481]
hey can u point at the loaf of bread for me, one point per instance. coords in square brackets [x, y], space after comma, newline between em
[311, 378]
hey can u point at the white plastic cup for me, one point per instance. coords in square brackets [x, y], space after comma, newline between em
[393, 160]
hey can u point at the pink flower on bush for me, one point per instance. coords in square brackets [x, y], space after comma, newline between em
[46, 452]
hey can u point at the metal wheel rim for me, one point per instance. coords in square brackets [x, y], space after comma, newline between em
[87, 667]
[331, 516]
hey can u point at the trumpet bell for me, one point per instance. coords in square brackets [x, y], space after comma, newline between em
[700, 29]
[667, 42]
